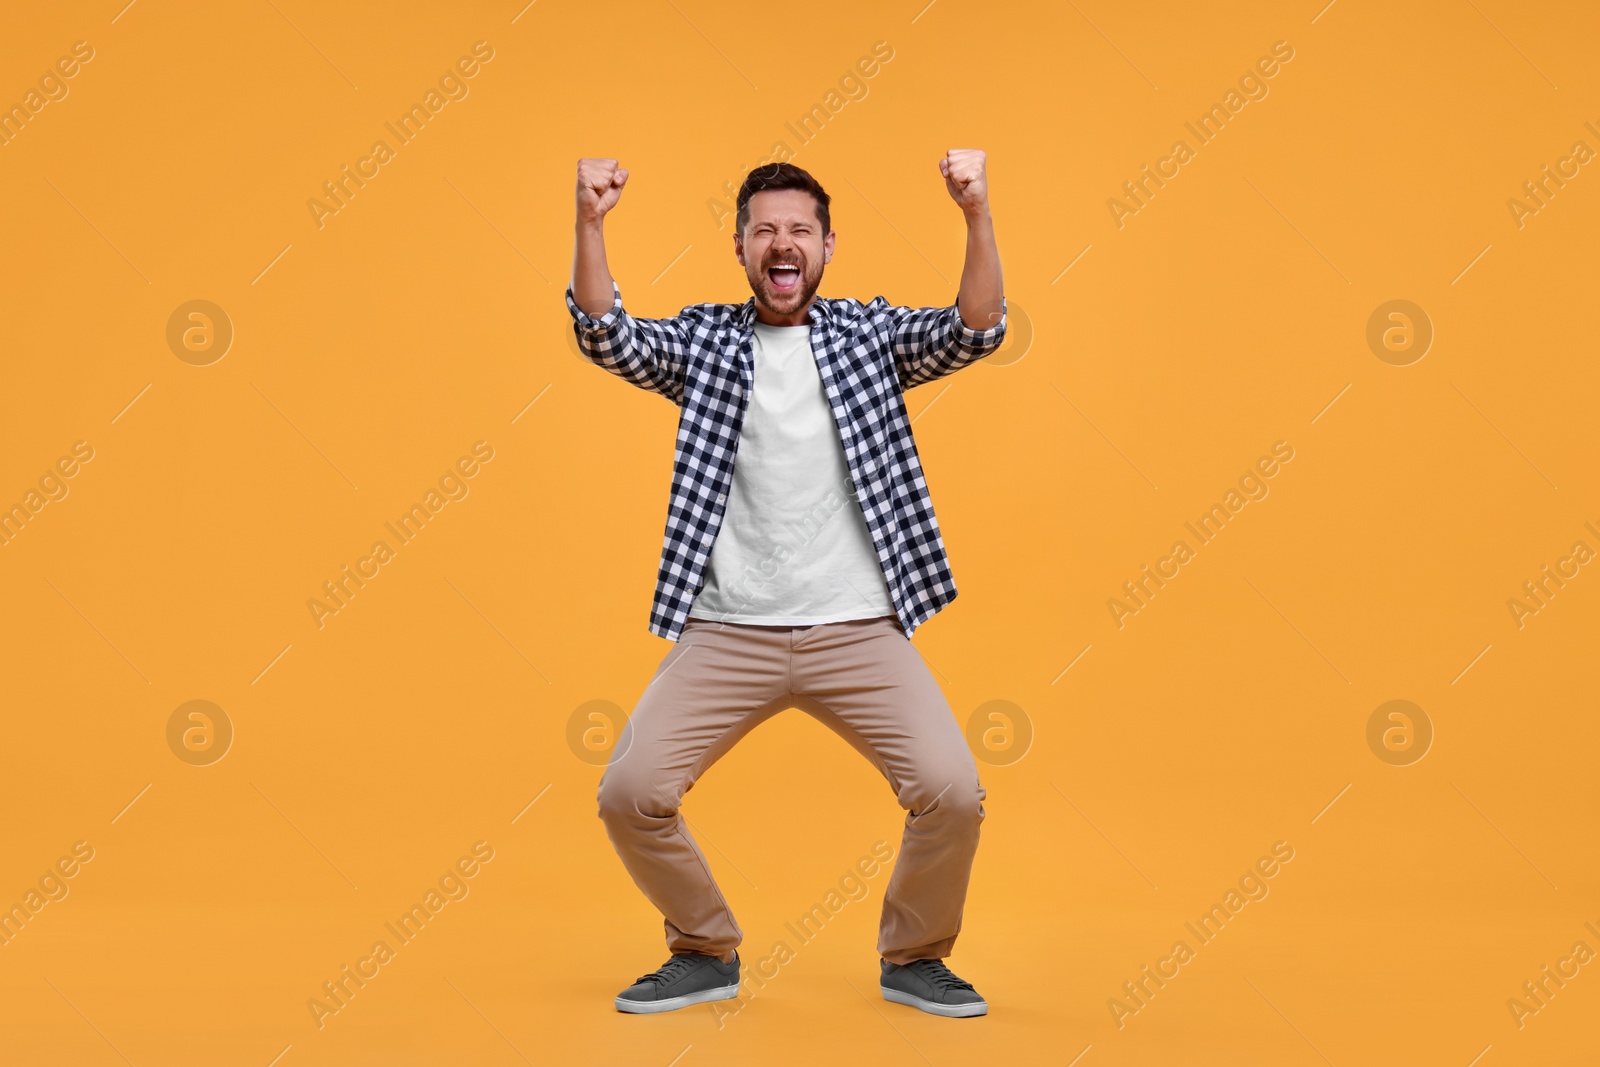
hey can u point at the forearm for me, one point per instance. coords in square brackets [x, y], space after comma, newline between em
[982, 288]
[592, 285]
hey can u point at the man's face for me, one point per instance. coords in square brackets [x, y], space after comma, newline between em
[783, 251]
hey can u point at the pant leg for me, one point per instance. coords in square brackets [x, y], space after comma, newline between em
[717, 683]
[866, 681]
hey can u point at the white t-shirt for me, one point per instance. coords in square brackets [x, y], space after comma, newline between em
[794, 548]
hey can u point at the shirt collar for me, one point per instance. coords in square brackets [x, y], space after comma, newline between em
[821, 312]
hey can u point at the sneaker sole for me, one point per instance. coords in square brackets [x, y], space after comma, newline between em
[949, 1011]
[652, 1007]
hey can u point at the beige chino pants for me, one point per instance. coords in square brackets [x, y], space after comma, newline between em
[861, 678]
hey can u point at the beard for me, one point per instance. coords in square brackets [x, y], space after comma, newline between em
[784, 301]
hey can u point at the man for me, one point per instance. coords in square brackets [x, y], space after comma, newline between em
[801, 553]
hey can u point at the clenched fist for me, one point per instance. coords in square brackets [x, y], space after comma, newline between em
[964, 177]
[600, 183]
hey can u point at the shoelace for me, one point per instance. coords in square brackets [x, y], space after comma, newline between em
[935, 973]
[672, 969]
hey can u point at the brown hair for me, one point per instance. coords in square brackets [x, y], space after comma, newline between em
[781, 176]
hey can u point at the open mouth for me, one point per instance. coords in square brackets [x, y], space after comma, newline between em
[784, 276]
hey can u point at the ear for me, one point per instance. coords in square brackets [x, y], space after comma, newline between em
[738, 249]
[827, 247]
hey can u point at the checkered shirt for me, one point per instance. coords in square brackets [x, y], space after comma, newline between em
[868, 355]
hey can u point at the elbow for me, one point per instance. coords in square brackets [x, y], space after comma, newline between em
[980, 316]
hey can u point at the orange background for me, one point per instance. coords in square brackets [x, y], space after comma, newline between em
[371, 353]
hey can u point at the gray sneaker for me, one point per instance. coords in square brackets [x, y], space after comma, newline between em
[687, 978]
[930, 986]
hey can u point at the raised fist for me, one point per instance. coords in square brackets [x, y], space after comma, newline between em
[600, 183]
[964, 177]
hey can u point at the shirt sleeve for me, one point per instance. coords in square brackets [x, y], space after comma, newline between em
[653, 354]
[929, 343]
